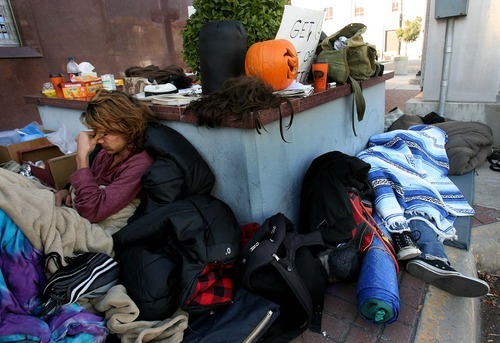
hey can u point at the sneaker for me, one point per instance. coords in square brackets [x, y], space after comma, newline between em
[404, 245]
[441, 275]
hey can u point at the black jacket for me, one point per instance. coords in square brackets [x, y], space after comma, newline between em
[324, 203]
[178, 232]
[178, 171]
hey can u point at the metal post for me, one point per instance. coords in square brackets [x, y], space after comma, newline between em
[445, 73]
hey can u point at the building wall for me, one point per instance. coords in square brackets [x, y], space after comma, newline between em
[110, 34]
[474, 76]
[470, 89]
[116, 34]
[378, 18]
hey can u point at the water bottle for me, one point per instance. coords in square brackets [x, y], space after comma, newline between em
[72, 68]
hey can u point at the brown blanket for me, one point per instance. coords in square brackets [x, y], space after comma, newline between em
[468, 146]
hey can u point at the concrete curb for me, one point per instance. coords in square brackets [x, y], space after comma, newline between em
[448, 318]
[485, 246]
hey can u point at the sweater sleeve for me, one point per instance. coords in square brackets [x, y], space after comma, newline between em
[122, 184]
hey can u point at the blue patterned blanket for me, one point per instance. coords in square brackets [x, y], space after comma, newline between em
[409, 174]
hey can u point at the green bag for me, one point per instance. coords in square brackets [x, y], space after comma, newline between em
[356, 62]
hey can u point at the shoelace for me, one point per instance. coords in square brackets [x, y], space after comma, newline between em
[53, 257]
[408, 241]
[51, 304]
[402, 240]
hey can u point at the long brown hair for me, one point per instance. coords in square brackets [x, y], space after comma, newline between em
[119, 113]
[239, 97]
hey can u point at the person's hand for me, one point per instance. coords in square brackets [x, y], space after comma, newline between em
[86, 142]
[63, 198]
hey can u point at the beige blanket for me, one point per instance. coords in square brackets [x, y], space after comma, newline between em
[49, 228]
[121, 315]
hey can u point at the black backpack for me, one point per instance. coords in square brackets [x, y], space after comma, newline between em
[280, 264]
[325, 204]
[336, 201]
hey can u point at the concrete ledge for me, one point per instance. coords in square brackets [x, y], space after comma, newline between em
[486, 113]
[448, 318]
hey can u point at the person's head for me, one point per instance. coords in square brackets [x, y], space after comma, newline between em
[116, 116]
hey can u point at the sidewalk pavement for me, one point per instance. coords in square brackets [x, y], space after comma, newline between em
[427, 314]
[401, 88]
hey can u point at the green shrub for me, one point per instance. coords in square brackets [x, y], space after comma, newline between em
[261, 19]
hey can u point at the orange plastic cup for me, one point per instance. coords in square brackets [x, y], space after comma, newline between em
[320, 73]
[56, 80]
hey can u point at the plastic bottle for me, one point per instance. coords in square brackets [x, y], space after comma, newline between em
[72, 68]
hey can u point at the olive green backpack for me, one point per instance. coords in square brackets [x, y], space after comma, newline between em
[356, 62]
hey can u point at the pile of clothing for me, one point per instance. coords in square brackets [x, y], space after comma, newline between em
[468, 143]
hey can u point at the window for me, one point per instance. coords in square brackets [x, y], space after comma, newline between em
[359, 10]
[8, 31]
[329, 13]
[395, 6]
[10, 41]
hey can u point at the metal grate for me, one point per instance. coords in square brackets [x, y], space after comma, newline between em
[8, 32]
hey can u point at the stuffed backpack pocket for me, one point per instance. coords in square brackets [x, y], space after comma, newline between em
[338, 68]
[362, 61]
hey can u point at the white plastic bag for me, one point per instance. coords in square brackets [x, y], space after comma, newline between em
[63, 140]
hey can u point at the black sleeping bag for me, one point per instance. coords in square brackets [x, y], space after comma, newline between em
[222, 46]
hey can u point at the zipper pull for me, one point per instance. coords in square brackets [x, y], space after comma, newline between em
[273, 231]
[320, 224]
[253, 247]
[288, 268]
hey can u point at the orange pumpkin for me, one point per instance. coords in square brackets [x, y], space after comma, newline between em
[274, 61]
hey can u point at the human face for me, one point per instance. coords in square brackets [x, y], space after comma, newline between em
[112, 142]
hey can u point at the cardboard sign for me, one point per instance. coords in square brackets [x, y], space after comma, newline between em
[302, 27]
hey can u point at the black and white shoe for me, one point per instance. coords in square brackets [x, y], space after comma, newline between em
[404, 245]
[441, 275]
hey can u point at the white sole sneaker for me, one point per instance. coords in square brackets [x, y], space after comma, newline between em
[408, 253]
[448, 280]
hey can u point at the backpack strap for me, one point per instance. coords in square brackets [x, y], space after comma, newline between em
[372, 224]
[290, 274]
[287, 268]
[358, 100]
[268, 239]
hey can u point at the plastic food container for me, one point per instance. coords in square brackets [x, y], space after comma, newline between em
[166, 88]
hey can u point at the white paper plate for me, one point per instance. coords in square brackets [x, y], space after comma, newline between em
[172, 100]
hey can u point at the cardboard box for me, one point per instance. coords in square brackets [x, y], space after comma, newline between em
[57, 166]
[9, 152]
[81, 90]
[135, 85]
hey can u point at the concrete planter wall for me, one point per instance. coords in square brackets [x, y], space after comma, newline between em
[259, 175]
[401, 65]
